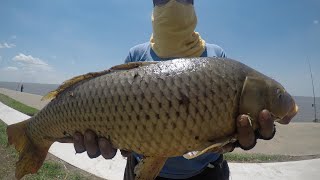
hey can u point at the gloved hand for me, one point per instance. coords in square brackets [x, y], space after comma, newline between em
[247, 138]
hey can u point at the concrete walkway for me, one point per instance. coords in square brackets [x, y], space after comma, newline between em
[25, 98]
[113, 169]
[296, 170]
[294, 139]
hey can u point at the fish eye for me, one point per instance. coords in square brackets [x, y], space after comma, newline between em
[279, 93]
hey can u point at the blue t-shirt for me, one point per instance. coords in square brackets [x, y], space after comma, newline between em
[177, 167]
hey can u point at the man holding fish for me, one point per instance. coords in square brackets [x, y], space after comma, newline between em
[174, 22]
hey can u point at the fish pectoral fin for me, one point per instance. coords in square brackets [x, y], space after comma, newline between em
[214, 148]
[132, 65]
[149, 167]
[252, 99]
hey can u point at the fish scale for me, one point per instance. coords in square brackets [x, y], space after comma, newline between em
[159, 110]
[170, 103]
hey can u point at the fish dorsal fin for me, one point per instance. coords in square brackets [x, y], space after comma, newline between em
[71, 82]
[65, 85]
[215, 147]
[132, 65]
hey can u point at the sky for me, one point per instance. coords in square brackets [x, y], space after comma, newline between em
[45, 41]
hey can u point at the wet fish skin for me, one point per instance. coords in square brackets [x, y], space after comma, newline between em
[146, 109]
[159, 110]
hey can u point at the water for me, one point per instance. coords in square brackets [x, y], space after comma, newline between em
[306, 111]
[32, 88]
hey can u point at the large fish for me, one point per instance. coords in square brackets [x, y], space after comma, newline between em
[159, 110]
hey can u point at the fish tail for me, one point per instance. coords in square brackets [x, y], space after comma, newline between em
[31, 156]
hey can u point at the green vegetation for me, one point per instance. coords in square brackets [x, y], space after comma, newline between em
[17, 105]
[3, 137]
[256, 158]
[4, 140]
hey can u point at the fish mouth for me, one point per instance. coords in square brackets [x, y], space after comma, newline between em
[286, 120]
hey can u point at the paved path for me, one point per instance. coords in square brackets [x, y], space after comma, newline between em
[295, 139]
[295, 170]
[113, 169]
[26, 98]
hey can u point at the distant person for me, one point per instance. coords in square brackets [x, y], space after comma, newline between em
[21, 89]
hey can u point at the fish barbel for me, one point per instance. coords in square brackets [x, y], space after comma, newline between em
[159, 110]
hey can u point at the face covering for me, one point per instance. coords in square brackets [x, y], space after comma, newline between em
[173, 31]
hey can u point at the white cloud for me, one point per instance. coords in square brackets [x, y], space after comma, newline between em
[29, 60]
[316, 22]
[11, 68]
[7, 45]
[28, 68]
[31, 64]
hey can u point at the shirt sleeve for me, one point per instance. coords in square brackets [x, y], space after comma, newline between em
[135, 53]
[223, 54]
[214, 50]
[220, 52]
[128, 58]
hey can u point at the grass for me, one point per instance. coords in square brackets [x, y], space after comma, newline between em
[4, 140]
[264, 158]
[255, 158]
[17, 105]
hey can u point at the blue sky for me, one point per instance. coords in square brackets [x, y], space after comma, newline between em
[50, 41]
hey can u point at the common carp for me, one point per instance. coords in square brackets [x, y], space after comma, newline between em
[159, 110]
